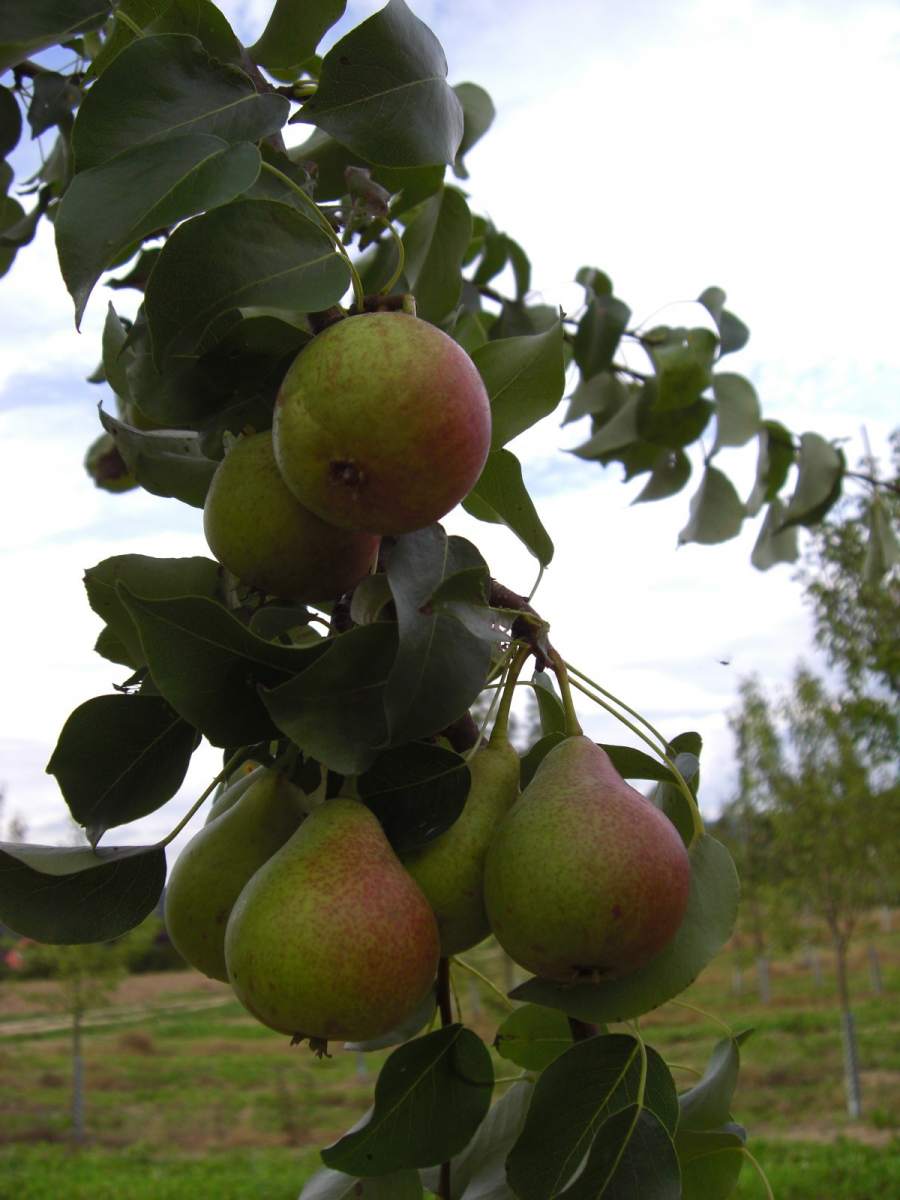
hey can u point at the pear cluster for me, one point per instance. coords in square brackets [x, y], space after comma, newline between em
[381, 426]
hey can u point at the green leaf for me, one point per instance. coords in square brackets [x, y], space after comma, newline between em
[618, 430]
[733, 333]
[27, 28]
[152, 578]
[684, 750]
[53, 97]
[682, 359]
[202, 20]
[140, 191]
[820, 471]
[600, 396]
[525, 378]
[500, 496]
[707, 925]
[166, 86]
[70, 895]
[737, 410]
[417, 791]
[632, 1156]
[599, 332]
[536, 755]
[115, 336]
[711, 1164]
[209, 666]
[550, 709]
[635, 764]
[670, 472]
[10, 122]
[775, 543]
[383, 92]
[441, 666]
[431, 1096]
[776, 455]
[708, 1144]
[334, 1185]
[716, 511]
[334, 709]
[882, 548]
[119, 758]
[578, 1109]
[164, 463]
[248, 253]
[409, 186]
[293, 32]
[435, 243]
[707, 1104]
[594, 282]
[478, 116]
[533, 1037]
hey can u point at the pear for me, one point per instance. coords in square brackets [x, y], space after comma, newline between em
[257, 529]
[585, 878]
[450, 869]
[217, 862]
[332, 939]
[382, 423]
[234, 787]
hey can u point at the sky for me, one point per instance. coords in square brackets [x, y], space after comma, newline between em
[743, 144]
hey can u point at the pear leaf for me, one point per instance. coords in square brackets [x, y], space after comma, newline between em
[293, 32]
[435, 242]
[820, 471]
[733, 333]
[500, 496]
[478, 116]
[716, 512]
[775, 543]
[524, 378]
[533, 1037]
[335, 1185]
[417, 791]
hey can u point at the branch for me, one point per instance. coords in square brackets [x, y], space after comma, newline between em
[445, 1008]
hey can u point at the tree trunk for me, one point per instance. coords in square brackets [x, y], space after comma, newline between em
[848, 1032]
[762, 980]
[78, 1130]
[875, 970]
[814, 963]
[737, 981]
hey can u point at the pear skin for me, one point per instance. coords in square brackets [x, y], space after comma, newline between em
[258, 530]
[238, 782]
[382, 423]
[585, 879]
[217, 862]
[332, 939]
[450, 869]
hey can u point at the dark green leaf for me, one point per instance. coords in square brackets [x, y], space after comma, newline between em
[436, 242]
[334, 1185]
[733, 333]
[737, 410]
[152, 578]
[479, 1171]
[431, 1096]
[618, 430]
[672, 427]
[776, 454]
[383, 92]
[820, 471]
[518, 319]
[165, 86]
[500, 496]
[594, 282]
[707, 925]
[707, 1104]
[53, 97]
[115, 335]
[600, 396]
[202, 20]
[417, 791]
[408, 185]
[670, 472]
[10, 122]
[683, 361]
[775, 543]
[177, 178]
[69, 895]
[293, 32]
[478, 116]
[573, 1114]
[334, 709]
[536, 755]
[599, 333]
[120, 757]
[635, 764]
[533, 1037]
[553, 717]
[21, 231]
[716, 511]
[632, 1158]
[110, 647]
[521, 265]
[440, 666]
[250, 252]
[524, 377]
[164, 463]
[710, 1165]
[668, 796]
[27, 28]
[209, 666]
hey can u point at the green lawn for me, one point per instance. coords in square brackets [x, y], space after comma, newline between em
[211, 1104]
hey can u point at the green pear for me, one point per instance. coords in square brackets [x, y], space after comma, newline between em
[382, 423]
[332, 939]
[450, 869]
[217, 862]
[234, 787]
[257, 529]
[585, 878]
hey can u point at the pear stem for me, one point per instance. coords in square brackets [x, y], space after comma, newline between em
[701, 1012]
[500, 732]
[492, 707]
[467, 966]
[696, 819]
[325, 226]
[573, 727]
[446, 1010]
[621, 703]
[401, 257]
[233, 762]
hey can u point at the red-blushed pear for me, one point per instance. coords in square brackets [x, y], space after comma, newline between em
[585, 878]
[332, 939]
[217, 862]
[259, 531]
[382, 423]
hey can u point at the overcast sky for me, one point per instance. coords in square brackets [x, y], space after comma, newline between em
[749, 145]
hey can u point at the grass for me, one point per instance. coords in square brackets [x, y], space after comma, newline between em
[209, 1103]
